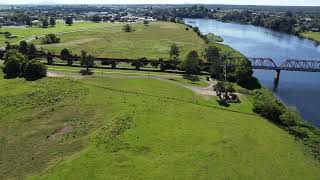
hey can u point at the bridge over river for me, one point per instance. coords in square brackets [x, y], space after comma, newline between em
[287, 65]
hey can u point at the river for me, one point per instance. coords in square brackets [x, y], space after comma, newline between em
[298, 89]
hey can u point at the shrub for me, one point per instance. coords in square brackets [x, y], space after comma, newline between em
[14, 64]
[50, 39]
[127, 28]
[35, 70]
[12, 67]
[268, 106]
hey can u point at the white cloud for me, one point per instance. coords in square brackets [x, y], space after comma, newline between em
[242, 2]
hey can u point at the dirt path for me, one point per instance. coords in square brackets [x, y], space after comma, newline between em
[204, 91]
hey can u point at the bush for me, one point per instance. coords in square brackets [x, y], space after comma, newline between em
[127, 28]
[35, 70]
[14, 64]
[267, 105]
[50, 39]
[12, 68]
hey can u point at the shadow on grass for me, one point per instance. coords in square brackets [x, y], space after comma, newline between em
[85, 72]
[223, 103]
[193, 78]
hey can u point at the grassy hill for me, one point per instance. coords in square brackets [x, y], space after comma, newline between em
[137, 128]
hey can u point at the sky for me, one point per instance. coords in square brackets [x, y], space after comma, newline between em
[238, 2]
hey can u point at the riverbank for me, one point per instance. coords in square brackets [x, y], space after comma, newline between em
[314, 36]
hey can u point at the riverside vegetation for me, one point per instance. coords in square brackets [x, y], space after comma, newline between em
[119, 127]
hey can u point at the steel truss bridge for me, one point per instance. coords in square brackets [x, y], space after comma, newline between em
[269, 64]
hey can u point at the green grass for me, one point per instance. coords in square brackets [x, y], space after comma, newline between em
[311, 35]
[24, 33]
[137, 128]
[152, 41]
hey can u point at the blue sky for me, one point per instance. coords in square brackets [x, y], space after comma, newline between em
[242, 2]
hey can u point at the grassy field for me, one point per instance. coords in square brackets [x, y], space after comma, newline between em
[312, 35]
[137, 128]
[25, 33]
[152, 41]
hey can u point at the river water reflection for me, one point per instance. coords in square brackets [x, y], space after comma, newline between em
[298, 89]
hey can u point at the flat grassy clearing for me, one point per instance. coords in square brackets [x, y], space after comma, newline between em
[137, 128]
[25, 33]
[311, 35]
[152, 41]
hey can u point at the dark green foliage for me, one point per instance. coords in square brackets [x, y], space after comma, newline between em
[69, 21]
[265, 104]
[127, 28]
[269, 107]
[191, 65]
[52, 21]
[45, 22]
[14, 64]
[86, 60]
[96, 18]
[174, 52]
[50, 38]
[250, 83]
[146, 22]
[32, 49]
[35, 70]
[28, 21]
[23, 47]
[225, 91]
[65, 53]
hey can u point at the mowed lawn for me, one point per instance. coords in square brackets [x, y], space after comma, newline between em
[137, 128]
[152, 41]
[27, 32]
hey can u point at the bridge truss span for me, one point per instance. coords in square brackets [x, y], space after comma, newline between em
[262, 63]
[300, 65]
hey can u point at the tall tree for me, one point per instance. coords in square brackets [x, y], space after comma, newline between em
[192, 63]
[174, 52]
[86, 60]
[45, 22]
[96, 18]
[52, 21]
[69, 21]
[28, 21]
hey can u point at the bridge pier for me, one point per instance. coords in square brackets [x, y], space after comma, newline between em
[276, 80]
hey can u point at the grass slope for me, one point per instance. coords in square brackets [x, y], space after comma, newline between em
[315, 36]
[137, 128]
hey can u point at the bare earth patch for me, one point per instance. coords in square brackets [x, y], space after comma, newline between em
[66, 129]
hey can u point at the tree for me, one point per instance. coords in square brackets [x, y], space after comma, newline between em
[96, 18]
[174, 52]
[146, 22]
[225, 91]
[52, 21]
[50, 58]
[212, 54]
[191, 65]
[14, 64]
[32, 49]
[50, 38]
[45, 22]
[69, 21]
[28, 21]
[23, 47]
[86, 60]
[127, 28]
[65, 53]
[35, 70]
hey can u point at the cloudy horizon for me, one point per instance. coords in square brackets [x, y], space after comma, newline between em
[234, 2]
